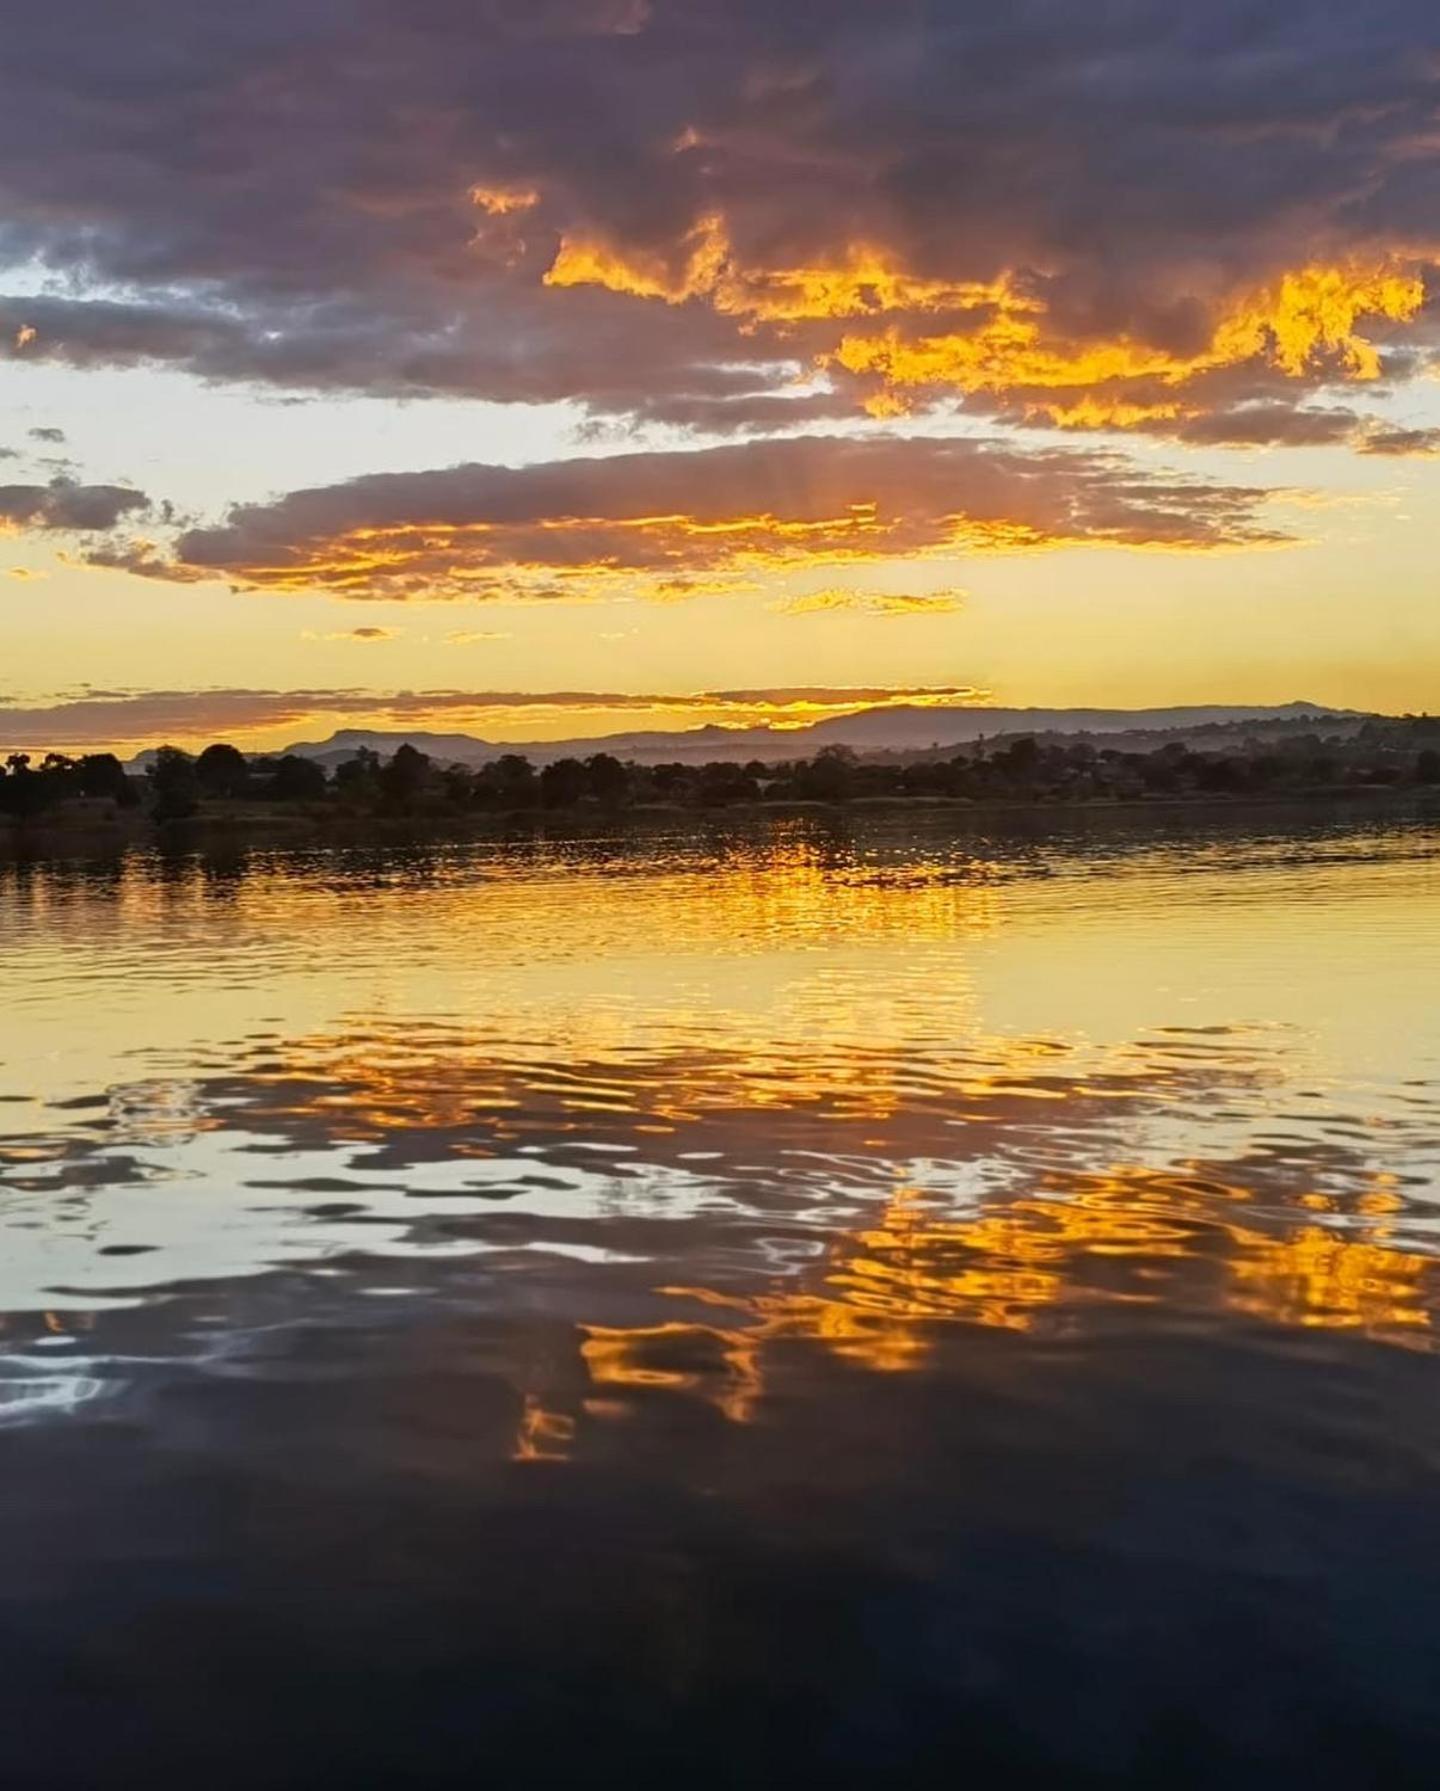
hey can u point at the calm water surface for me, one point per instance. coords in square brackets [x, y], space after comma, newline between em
[811, 1305]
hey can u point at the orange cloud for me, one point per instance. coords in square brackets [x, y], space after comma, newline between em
[871, 603]
[658, 211]
[501, 202]
[1308, 317]
[666, 525]
[863, 282]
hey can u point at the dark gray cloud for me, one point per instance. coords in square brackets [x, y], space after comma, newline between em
[65, 506]
[1401, 442]
[1270, 425]
[288, 193]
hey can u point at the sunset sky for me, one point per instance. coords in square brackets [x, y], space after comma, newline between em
[549, 367]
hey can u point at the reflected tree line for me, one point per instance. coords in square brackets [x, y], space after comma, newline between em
[177, 785]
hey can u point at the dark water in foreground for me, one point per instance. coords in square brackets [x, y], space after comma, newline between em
[809, 1306]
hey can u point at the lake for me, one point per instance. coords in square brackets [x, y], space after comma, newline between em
[808, 1302]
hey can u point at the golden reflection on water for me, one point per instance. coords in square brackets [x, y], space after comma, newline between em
[543, 1435]
[976, 1100]
[885, 1292]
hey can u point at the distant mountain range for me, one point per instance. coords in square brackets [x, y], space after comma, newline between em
[887, 730]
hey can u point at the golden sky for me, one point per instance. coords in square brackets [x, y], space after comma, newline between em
[688, 348]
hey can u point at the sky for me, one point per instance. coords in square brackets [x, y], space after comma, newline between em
[537, 368]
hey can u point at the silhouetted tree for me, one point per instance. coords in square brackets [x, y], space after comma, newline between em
[606, 777]
[828, 776]
[1219, 759]
[222, 770]
[356, 775]
[404, 776]
[102, 774]
[721, 783]
[459, 784]
[1223, 775]
[297, 779]
[562, 783]
[173, 784]
[1019, 762]
[23, 791]
[511, 779]
[670, 781]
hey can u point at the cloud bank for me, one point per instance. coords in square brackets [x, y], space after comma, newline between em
[669, 524]
[1142, 216]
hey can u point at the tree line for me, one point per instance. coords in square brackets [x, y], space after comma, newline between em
[177, 785]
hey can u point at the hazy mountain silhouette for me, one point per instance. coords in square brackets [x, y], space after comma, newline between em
[907, 729]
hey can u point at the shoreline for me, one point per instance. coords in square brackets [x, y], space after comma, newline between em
[247, 824]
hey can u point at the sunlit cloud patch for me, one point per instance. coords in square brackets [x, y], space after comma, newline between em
[669, 525]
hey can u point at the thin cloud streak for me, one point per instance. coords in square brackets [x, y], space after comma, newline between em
[894, 604]
[126, 719]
